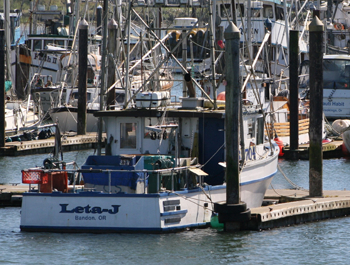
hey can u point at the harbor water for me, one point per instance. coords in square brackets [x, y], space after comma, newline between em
[323, 242]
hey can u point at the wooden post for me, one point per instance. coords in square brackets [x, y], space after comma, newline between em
[99, 20]
[2, 88]
[233, 212]
[294, 94]
[83, 42]
[111, 47]
[232, 112]
[316, 107]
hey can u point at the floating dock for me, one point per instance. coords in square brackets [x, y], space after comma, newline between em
[332, 149]
[69, 143]
[292, 207]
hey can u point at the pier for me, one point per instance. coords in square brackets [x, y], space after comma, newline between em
[332, 149]
[69, 143]
[297, 207]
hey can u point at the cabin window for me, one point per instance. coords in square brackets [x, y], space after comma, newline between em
[242, 10]
[255, 52]
[260, 131]
[37, 45]
[268, 11]
[128, 135]
[255, 13]
[336, 74]
[279, 13]
[225, 10]
[251, 129]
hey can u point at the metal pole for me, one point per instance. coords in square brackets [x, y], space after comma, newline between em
[316, 107]
[112, 39]
[103, 65]
[83, 53]
[294, 93]
[127, 63]
[2, 87]
[8, 39]
[212, 51]
[184, 59]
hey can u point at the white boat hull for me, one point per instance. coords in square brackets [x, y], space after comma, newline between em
[98, 212]
[151, 213]
[67, 119]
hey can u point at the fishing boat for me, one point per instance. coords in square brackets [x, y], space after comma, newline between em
[162, 172]
[341, 127]
[336, 81]
[19, 115]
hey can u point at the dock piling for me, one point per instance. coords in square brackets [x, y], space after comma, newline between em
[83, 53]
[316, 107]
[233, 212]
[294, 94]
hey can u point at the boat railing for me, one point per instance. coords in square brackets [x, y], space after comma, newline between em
[44, 176]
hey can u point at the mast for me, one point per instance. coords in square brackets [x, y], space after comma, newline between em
[212, 49]
[127, 57]
[8, 39]
[103, 66]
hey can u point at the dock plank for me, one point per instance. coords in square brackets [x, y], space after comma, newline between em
[71, 143]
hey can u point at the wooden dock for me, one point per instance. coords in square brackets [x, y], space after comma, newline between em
[332, 149]
[294, 207]
[69, 143]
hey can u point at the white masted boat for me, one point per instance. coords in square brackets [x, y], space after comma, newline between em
[161, 172]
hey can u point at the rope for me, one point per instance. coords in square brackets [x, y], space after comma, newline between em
[191, 200]
[289, 181]
[292, 195]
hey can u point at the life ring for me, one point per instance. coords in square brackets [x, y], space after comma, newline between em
[338, 26]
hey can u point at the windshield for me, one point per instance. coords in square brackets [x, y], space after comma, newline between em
[336, 74]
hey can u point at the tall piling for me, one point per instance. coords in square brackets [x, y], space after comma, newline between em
[82, 100]
[316, 29]
[111, 47]
[294, 94]
[2, 88]
[232, 113]
[99, 20]
[234, 211]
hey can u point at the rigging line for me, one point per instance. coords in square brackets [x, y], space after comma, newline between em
[71, 114]
[203, 47]
[190, 199]
[289, 196]
[213, 154]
